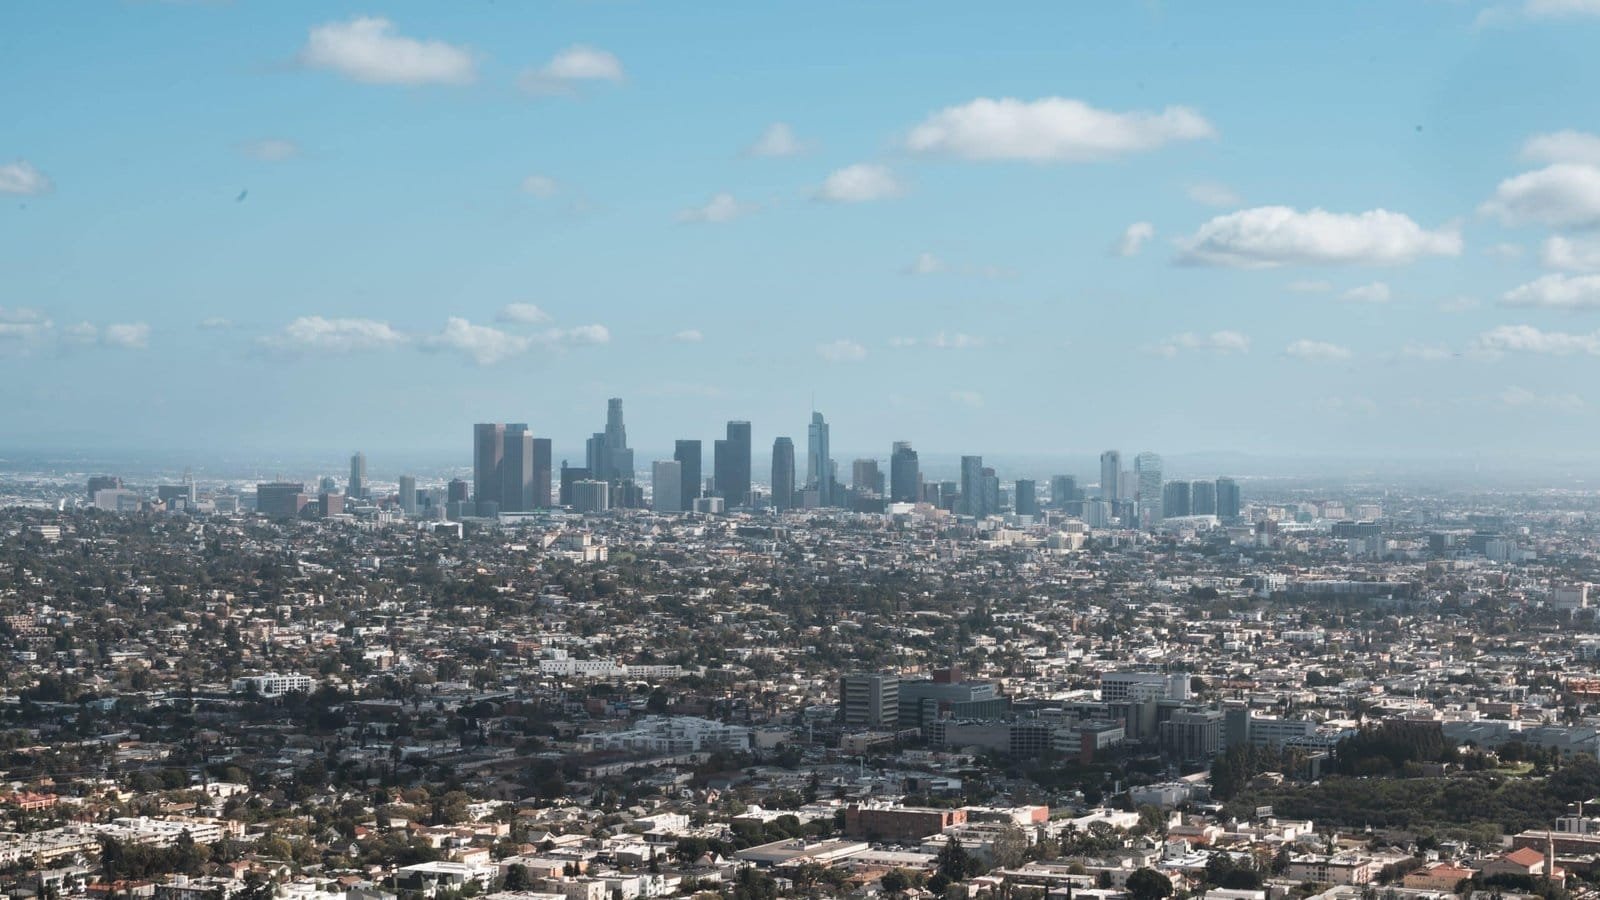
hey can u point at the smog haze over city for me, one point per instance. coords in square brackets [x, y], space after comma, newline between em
[617, 450]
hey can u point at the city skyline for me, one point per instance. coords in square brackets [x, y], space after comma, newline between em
[845, 219]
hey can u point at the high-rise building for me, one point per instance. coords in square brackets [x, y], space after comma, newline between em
[666, 485]
[1063, 490]
[408, 494]
[1027, 497]
[731, 465]
[783, 474]
[281, 499]
[516, 469]
[357, 488]
[456, 491]
[687, 454]
[991, 492]
[868, 700]
[1228, 506]
[971, 486]
[1202, 498]
[819, 462]
[330, 505]
[1175, 499]
[591, 495]
[488, 446]
[541, 473]
[571, 475]
[98, 483]
[1147, 477]
[905, 474]
[865, 477]
[608, 455]
[1111, 476]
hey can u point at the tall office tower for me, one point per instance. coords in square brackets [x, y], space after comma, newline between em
[98, 483]
[1203, 498]
[1027, 501]
[1147, 477]
[330, 505]
[571, 475]
[991, 492]
[1175, 501]
[1110, 475]
[819, 464]
[488, 446]
[721, 461]
[1228, 506]
[687, 453]
[516, 469]
[618, 458]
[279, 499]
[594, 453]
[456, 491]
[905, 473]
[1063, 490]
[865, 478]
[591, 495]
[870, 700]
[357, 488]
[541, 473]
[666, 485]
[783, 474]
[733, 464]
[971, 486]
[327, 485]
[408, 494]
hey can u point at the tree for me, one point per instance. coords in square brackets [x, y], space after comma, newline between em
[895, 881]
[955, 863]
[517, 878]
[1148, 884]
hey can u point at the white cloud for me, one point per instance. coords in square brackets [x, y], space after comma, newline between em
[969, 399]
[216, 323]
[1569, 292]
[580, 336]
[689, 336]
[720, 208]
[540, 186]
[309, 334]
[1528, 339]
[81, 333]
[522, 313]
[370, 50]
[1563, 146]
[1212, 193]
[1573, 254]
[925, 264]
[1564, 195]
[22, 328]
[858, 184]
[1376, 292]
[1220, 342]
[483, 344]
[1458, 304]
[1052, 129]
[572, 68]
[1133, 238]
[842, 351]
[1310, 287]
[1278, 235]
[944, 340]
[777, 140]
[270, 149]
[1557, 9]
[127, 335]
[1505, 250]
[1522, 398]
[1316, 351]
[22, 178]
[1426, 352]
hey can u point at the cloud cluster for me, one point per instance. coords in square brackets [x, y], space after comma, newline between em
[572, 69]
[1052, 129]
[318, 334]
[22, 179]
[483, 344]
[1563, 195]
[1316, 351]
[1528, 339]
[522, 313]
[1267, 236]
[722, 207]
[270, 149]
[1221, 342]
[1572, 254]
[778, 140]
[858, 184]
[370, 49]
[1134, 238]
[1522, 398]
[954, 340]
[1376, 292]
[24, 330]
[842, 350]
[1569, 292]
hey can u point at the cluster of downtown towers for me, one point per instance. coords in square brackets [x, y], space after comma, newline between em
[512, 472]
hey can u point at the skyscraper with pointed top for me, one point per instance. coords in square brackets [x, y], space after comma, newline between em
[819, 462]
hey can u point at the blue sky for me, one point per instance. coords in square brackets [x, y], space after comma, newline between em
[1283, 229]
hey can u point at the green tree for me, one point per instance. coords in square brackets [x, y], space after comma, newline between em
[1148, 884]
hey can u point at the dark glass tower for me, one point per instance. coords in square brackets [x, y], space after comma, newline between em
[689, 457]
[905, 475]
[783, 474]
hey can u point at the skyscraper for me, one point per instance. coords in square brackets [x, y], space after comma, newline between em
[1027, 501]
[783, 474]
[819, 462]
[488, 447]
[688, 456]
[1203, 498]
[1110, 475]
[991, 492]
[971, 486]
[1175, 501]
[408, 494]
[357, 488]
[1147, 476]
[666, 485]
[865, 477]
[607, 452]
[542, 462]
[1063, 490]
[904, 473]
[732, 464]
[1228, 506]
[516, 469]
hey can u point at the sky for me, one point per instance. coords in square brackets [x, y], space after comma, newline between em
[1369, 229]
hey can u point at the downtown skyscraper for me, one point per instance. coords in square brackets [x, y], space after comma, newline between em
[689, 457]
[609, 457]
[783, 487]
[730, 463]
[357, 488]
[905, 476]
[819, 461]
[1147, 480]
[1111, 476]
